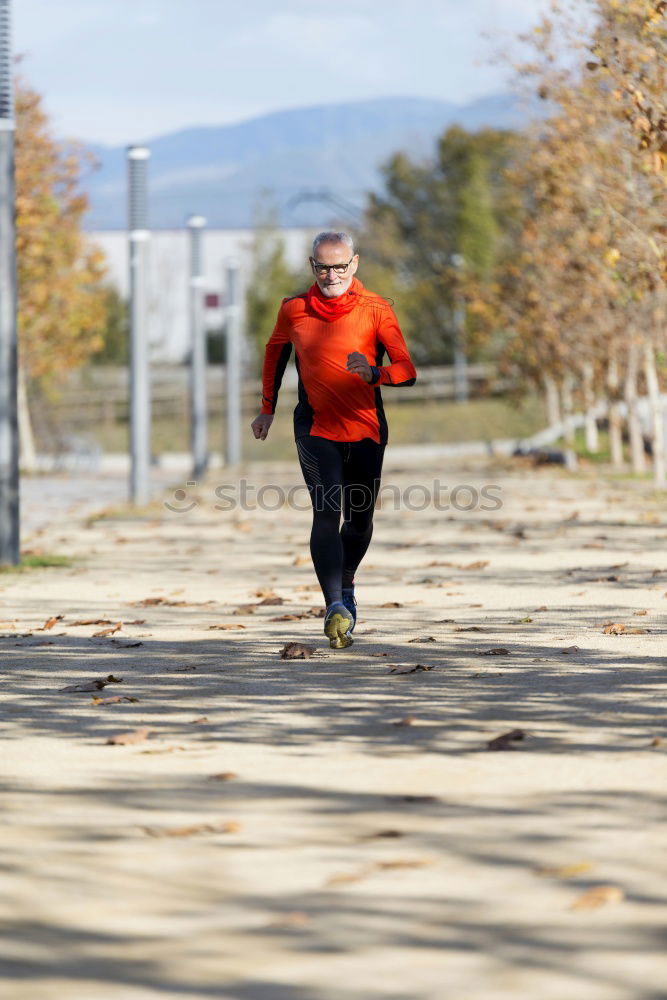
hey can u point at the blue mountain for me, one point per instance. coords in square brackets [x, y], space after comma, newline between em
[300, 160]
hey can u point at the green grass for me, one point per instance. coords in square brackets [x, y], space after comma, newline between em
[419, 422]
[38, 560]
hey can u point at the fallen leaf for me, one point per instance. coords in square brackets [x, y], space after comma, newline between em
[301, 561]
[564, 871]
[479, 564]
[505, 741]
[388, 834]
[570, 649]
[95, 684]
[426, 638]
[469, 628]
[93, 621]
[201, 720]
[599, 895]
[296, 651]
[226, 627]
[50, 623]
[245, 609]
[495, 651]
[391, 604]
[223, 776]
[127, 739]
[410, 670]
[271, 601]
[379, 654]
[613, 629]
[295, 919]
[640, 612]
[407, 721]
[113, 700]
[125, 643]
[403, 863]
[108, 631]
[190, 831]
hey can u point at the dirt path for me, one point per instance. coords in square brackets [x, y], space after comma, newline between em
[335, 827]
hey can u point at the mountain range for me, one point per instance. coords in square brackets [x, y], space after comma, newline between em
[315, 164]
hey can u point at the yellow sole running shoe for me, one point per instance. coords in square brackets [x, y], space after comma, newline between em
[338, 625]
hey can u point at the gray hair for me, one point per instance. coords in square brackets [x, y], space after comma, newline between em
[333, 238]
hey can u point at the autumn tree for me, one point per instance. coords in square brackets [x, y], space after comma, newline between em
[585, 294]
[426, 214]
[61, 297]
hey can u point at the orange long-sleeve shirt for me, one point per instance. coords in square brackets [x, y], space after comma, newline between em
[333, 402]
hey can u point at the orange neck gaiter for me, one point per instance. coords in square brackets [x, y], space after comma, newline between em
[332, 309]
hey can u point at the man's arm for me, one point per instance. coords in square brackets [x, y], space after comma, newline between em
[276, 356]
[400, 370]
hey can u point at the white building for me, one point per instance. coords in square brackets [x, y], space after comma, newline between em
[168, 276]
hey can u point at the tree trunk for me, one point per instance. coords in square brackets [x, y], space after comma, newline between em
[568, 409]
[635, 430]
[657, 425]
[615, 418]
[591, 424]
[27, 452]
[553, 401]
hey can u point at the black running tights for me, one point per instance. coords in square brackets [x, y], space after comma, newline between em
[342, 478]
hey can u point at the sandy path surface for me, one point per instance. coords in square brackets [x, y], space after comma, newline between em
[335, 827]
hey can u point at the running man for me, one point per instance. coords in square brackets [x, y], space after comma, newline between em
[340, 333]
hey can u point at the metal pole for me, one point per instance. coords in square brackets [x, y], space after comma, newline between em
[460, 359]
[199, 431]
[9, 437]
[140, 399]
[234, 364]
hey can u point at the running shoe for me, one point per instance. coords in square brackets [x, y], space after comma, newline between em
[351, 604]
[338, 626]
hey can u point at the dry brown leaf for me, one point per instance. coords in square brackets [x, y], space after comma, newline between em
[640, 612]
[301, 561]
[391, 604]
[108, 631]
[127, 739]
[409, 720]
[505, 741]
[288, 618]
[564, 871]
[613, 628]
[570, 649]
[137, 621]
[418, 668]
[379, 654]
[403, 863]
[426, 638]
[296, 651]
[496, 651]
[223, 776]
[200, 721]
[245, 609]
[93, 621]
[599, 895]
[479, 564]
[226, 627]
[115, 699]
[271, 601]
[126, 643]
[95, 684]
[49, 623]
[190, 831]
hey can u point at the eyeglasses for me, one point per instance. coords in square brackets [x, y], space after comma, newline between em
[323, 269]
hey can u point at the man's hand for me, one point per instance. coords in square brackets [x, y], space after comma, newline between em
[261, 424]
[358, 365]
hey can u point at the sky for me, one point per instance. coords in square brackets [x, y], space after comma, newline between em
[121, 71]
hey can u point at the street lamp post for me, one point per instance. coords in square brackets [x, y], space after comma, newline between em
[140, 398]
[198, 402]
[234, 364]
[9, 437]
